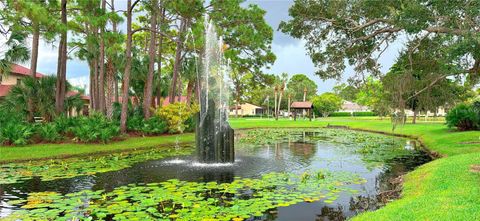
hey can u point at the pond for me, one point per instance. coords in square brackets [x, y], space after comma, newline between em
[278, 174]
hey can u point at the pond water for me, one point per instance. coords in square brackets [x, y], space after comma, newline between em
[295, 174]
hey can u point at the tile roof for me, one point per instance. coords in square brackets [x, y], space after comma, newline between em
[302, 104]
[18, 69]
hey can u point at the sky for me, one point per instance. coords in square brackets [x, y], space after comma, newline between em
[290, 52]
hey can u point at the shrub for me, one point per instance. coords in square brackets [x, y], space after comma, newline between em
[15, 134]
[464, 117]
[94, 128]
[364, 114]
[49, 132]
[176, 116]
[154, 125]
[340, 114]
[64, 124]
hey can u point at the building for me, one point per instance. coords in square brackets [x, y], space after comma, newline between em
[304, 108]
[246, 109]
[352, 107]
[16, 76]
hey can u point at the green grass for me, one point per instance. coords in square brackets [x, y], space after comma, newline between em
[49, 151]
[444, 189]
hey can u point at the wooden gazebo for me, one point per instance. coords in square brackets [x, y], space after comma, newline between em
[302, 106]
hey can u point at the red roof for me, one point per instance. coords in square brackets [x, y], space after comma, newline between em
[73, 93]
[4, 89]
[18, 69]
[302, 105]
[166, 102]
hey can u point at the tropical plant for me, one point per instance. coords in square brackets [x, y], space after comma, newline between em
[176, 115]
[48, 132]
[15, 134]
[463, 117]
[94, 128]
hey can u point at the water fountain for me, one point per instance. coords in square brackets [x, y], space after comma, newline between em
[214, 136]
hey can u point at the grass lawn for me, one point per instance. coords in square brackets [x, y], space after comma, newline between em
[444, 189]
[49, 151]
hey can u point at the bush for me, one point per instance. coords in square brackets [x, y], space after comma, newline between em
[340, 114]
[95, 128]
[154, 125]
[464, 117]
[49, 132]
[17, 134]
[364, 114]
[176, 116]
[64, 124]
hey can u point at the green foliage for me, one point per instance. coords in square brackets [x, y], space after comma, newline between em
[15, 134]
[341, 114]
[358, 32]
[326, 104]
[298, 83]
[180, 200]
[75, 167]
[464, 117]
[95, 128]
[176, 116]
[49, 132]
[364, 114]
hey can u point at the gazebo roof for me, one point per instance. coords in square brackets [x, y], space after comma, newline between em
[302, 105]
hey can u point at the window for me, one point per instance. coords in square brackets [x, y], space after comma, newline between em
[19, 81]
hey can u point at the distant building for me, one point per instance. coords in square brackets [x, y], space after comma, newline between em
[246, 109]
[351, 107]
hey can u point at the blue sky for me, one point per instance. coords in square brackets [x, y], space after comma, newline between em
[290, 52]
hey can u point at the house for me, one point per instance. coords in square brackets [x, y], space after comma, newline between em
[351, 107]
[15, 77]
[18, 73]
[86, 104]
[246, 109]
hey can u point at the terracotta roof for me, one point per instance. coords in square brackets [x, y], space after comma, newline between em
[18, 69]
[73, 93]
[166, 102]
[4, 89]
[302, 105]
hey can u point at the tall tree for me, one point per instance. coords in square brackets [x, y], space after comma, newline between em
[148, 93]
[128, 66]
[62, 62]
[297, 85]
[360, 31]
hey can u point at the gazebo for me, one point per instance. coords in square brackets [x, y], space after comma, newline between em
[300, 107]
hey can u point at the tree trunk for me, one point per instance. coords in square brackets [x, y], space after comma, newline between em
[279, 104]
[148, 90]
[159, 61]
[112, 89]
[101, 71]
[95, 84]
[414, 120]
[33, 68]
[128, 64]
[237, 103]
[62, 64]
[189, 91]
[275, 108]
[176, 65]
[289, 97]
